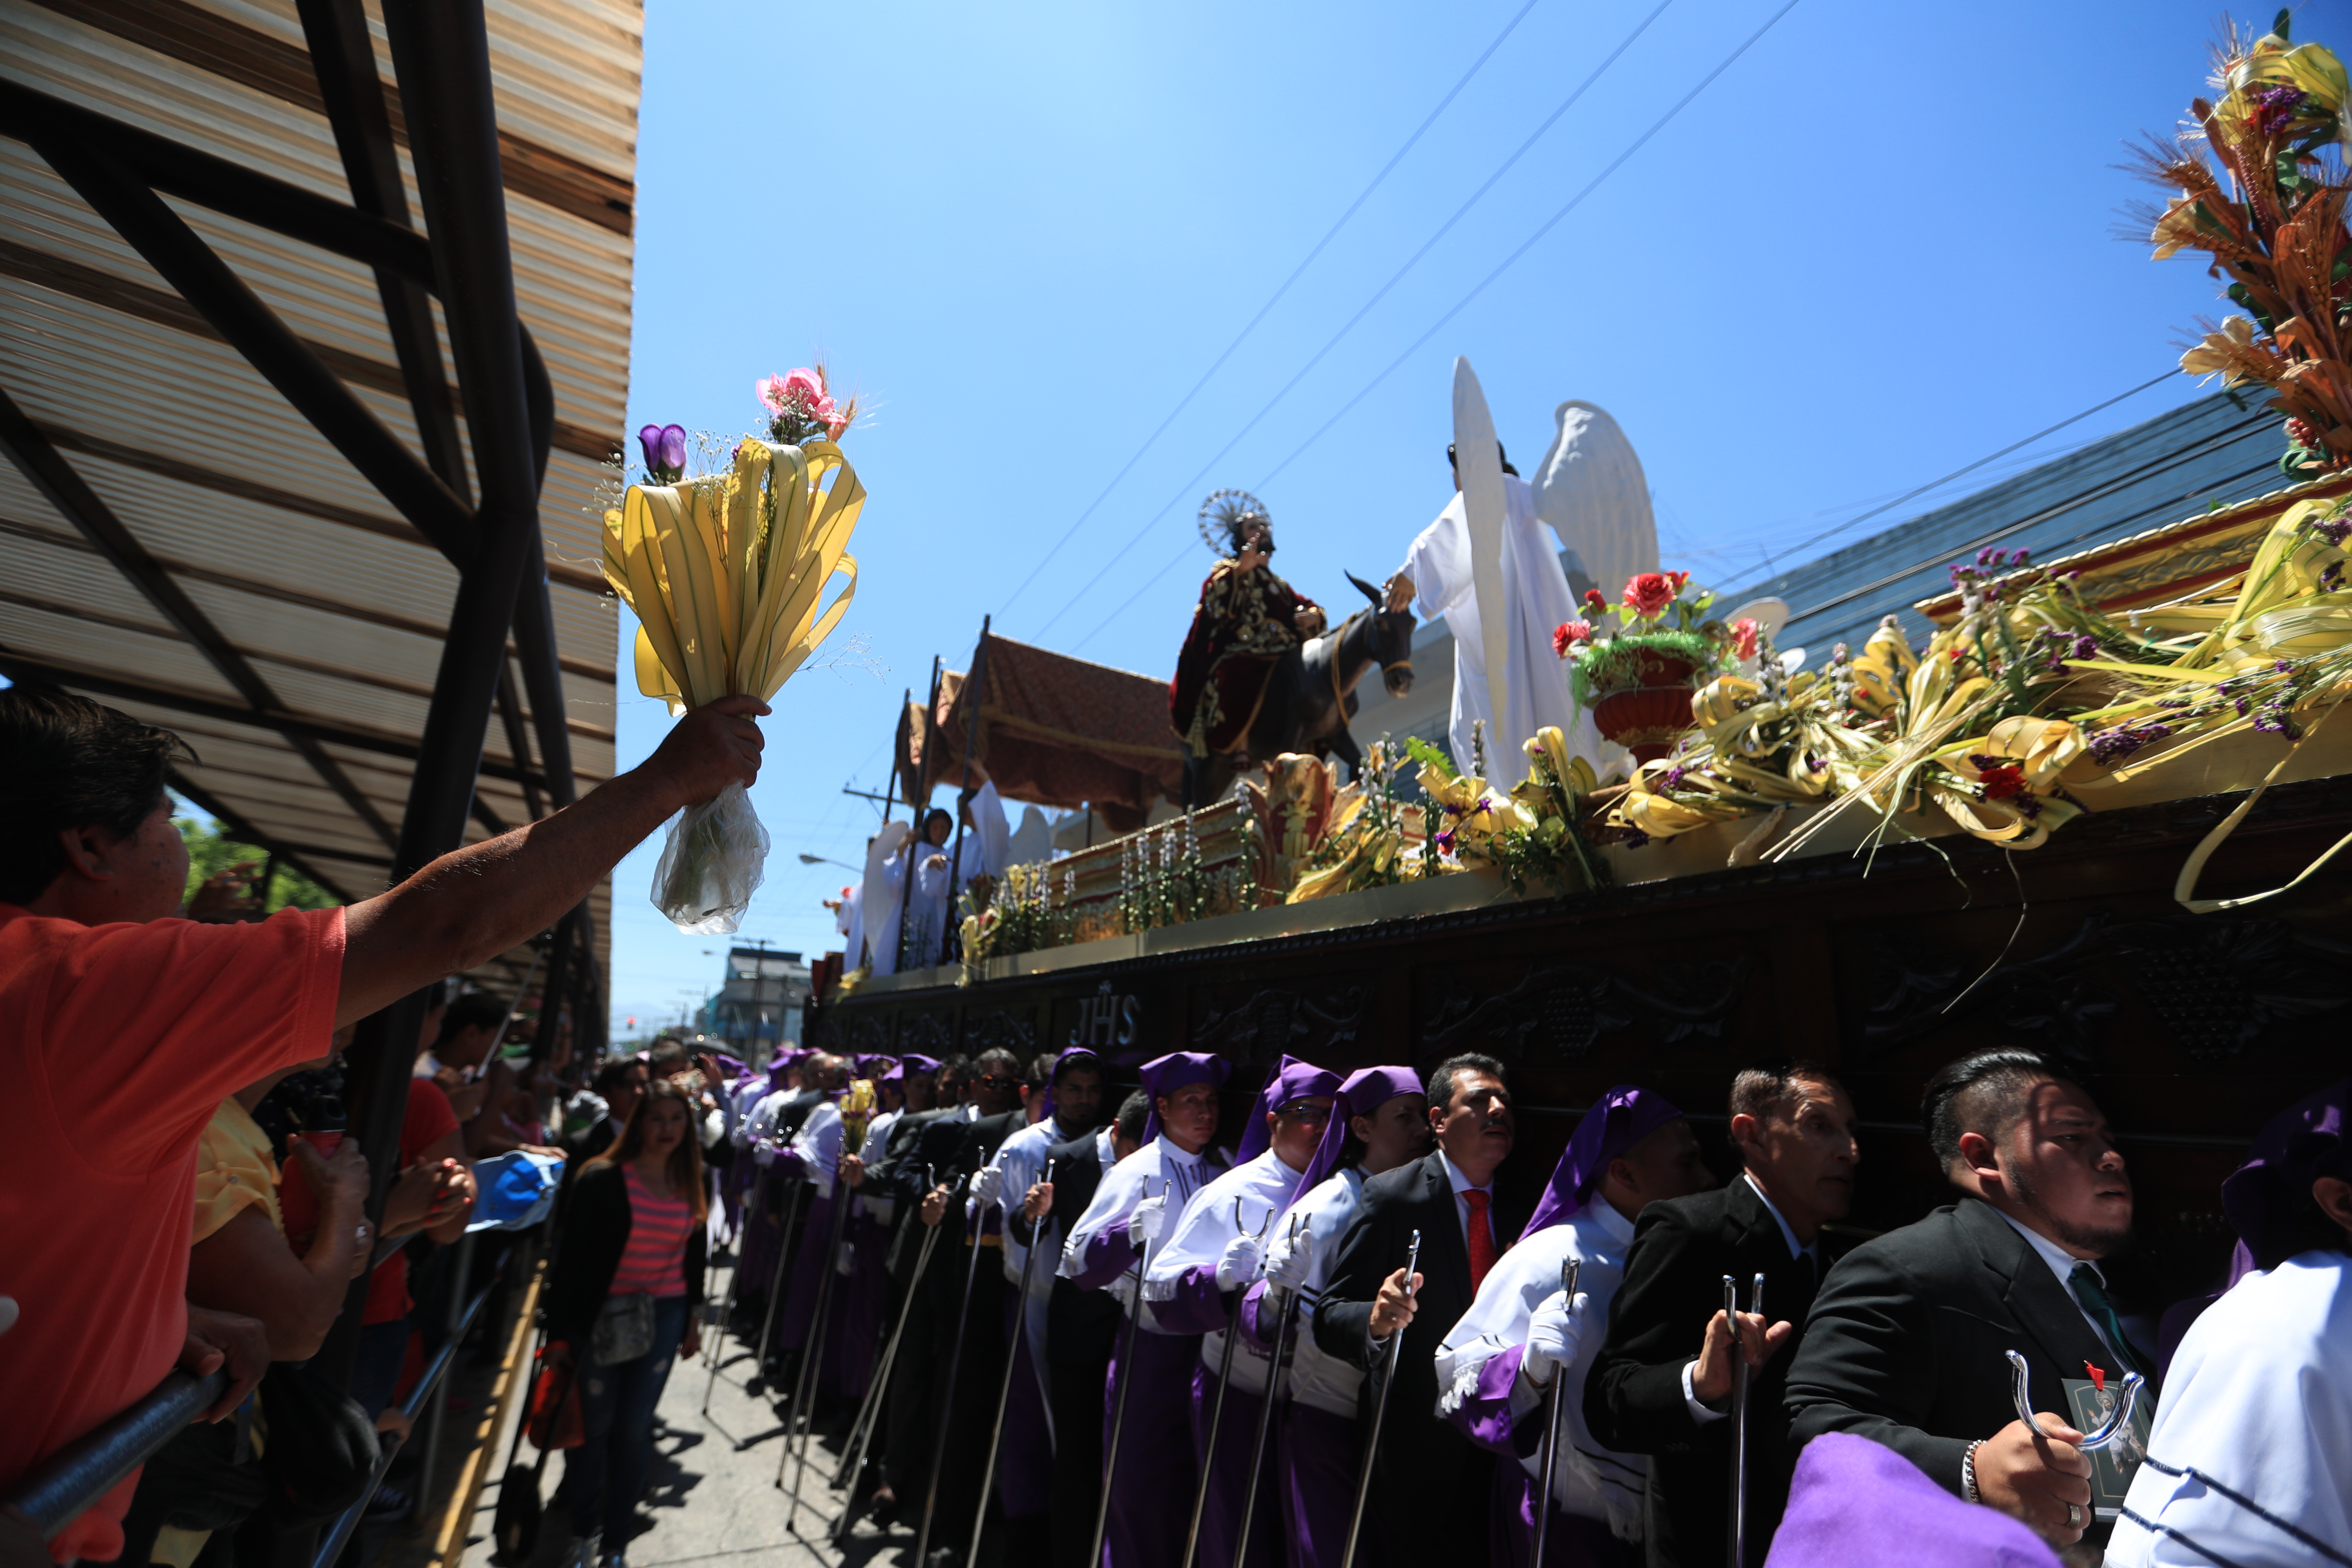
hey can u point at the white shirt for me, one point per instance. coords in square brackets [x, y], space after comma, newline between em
[2258, 1401]
[2063, 1263]
[818, 1145]
[1591, 1481]
[1462, 1185]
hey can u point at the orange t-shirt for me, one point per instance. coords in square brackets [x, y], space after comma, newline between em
[121, 1042]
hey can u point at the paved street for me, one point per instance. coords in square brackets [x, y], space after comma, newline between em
[713, 1497]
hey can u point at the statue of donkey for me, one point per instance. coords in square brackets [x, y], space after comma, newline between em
[1311, 693]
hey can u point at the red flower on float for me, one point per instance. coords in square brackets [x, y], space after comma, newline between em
[1567, 634]
[1650, 593]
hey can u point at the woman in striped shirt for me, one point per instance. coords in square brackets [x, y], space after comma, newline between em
[633, 1227]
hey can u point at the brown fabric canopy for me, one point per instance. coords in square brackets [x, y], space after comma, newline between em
[1051, 730]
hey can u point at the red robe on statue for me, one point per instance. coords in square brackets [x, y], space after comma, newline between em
[1246, 621]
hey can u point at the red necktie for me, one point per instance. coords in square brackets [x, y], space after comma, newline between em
[1482, 1237]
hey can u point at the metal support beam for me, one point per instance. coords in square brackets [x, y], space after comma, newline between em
[173, 249]
[55, 478]
[517, 741]
[344, 58]
[20, 665]
[441, 57]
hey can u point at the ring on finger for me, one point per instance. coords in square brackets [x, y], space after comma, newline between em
[2074, 1516]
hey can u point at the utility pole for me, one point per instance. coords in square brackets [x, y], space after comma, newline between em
[759, 1019]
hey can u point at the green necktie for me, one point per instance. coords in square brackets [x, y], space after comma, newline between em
[2093, 1295]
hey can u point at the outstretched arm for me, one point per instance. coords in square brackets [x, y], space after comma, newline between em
[474, 904]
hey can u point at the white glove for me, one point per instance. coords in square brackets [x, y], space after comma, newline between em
[1553, 1335]
[1150, 1218]
[763, 1154]
[1238, 1267]
[987, 1184]
[1288, 1260]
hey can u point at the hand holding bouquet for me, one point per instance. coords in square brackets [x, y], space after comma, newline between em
[725, 571]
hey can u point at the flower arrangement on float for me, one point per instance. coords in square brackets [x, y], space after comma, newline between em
[1634, 664]
[2271, 218]
[726, 571]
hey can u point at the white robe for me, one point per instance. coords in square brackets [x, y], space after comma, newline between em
[1591, 1480]
[925, 912]
[1173, 1174]
[1327, 1383]
[2258, 1400]
[1535, 681]
[878, 907]
[1262, 1188]
[1022, 1156]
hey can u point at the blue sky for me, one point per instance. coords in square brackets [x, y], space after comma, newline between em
[1882, 244]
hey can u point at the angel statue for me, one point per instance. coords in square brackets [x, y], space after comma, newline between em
[1247, 619]
[1493, 544]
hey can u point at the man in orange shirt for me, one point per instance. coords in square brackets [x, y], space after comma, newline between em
[124, 1028]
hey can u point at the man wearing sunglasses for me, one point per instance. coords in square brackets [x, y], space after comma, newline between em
[1200, 1277]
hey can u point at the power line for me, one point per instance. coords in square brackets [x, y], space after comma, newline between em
[1459, 305]
[1770, 565]
[1190, 485]
[1185, 402]
[2099, 491]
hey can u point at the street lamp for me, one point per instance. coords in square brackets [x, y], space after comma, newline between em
[809, 860]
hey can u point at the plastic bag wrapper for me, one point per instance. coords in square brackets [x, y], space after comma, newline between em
[713, 861]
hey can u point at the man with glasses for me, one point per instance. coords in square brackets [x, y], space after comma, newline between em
[1200, 1277]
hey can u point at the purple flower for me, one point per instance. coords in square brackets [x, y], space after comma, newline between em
[665, 449]
[2020, 559]
[2086, 647]
[2285, 667]
[1636, 839]
[1673, 777]
[2333, 529]
[1988, 556]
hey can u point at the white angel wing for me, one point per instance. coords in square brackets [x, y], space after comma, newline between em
[1478, 470]
[1591, 488]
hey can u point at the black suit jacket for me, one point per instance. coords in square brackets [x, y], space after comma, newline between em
[1081, 1326]
[1906, 1344]
[1634, 1397]
[1422, 1457]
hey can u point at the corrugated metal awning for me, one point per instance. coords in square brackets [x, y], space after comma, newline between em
[331, 598]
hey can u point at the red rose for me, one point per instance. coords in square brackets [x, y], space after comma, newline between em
[1567, 634]
[1650, 594]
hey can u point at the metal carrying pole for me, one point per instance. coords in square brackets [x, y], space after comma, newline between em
[1004, 1389]
[947, 1412]
[784, 1248]
[1284, 1301]
[801, 1419]
[1216, 1411]
[1379, 1409]
[1126, 1380]
[1569, 1271]
[1737, 1545]
[869, 1408]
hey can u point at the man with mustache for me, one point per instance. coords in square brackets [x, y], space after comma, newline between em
[1906, 1342]
[1662, 1382]
[1448, 1196]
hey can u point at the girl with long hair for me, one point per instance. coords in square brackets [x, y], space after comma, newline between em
[623, 1304]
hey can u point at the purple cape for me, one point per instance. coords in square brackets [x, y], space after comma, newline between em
[1855, 1503]
[1364, 1091]
[1622, 1118]
[2268, 1199]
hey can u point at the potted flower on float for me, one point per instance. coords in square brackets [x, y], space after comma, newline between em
[1636, 677]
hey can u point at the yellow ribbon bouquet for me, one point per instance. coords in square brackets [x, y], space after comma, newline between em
[724, 573]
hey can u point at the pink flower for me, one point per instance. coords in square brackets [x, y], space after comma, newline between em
[770, 389]
[805, 385]
[1567, 634]
[1744, 633]
[1649, 594]
[802, 389]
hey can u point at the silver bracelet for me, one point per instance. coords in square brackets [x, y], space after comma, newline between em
[1968, 1473]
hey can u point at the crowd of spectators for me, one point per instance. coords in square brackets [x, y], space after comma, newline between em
[175, 1194]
